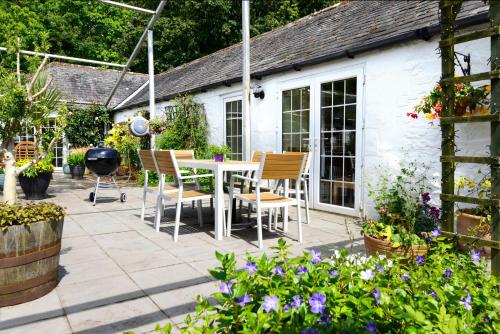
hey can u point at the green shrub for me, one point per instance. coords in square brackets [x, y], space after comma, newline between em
[214, 150]
[120, 138]
[41, 167]
[29, 213]
[76, 157]
[152, 178]
[445, 292]
[189, 128]
[86, 127]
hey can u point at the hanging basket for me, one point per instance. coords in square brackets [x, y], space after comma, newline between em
[374, 246]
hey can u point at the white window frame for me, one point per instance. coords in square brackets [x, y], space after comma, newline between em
[225, 100]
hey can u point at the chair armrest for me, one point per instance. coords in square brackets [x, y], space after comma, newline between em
[185, 171]
[236, 176]
[196, 176]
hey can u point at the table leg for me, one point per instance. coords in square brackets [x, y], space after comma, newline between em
[285, 210]
[219, 203]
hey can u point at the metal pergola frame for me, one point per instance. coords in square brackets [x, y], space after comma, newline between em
[148, 32]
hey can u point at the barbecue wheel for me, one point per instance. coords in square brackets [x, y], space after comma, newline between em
[91, 196]
[123, 197]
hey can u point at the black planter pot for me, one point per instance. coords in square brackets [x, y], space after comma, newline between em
[77, 171]
[35, 187]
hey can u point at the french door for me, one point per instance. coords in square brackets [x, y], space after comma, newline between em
[323, 115]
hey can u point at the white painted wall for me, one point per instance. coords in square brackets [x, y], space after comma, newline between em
[396, 79]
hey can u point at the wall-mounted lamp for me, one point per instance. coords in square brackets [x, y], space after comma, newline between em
[258, 92]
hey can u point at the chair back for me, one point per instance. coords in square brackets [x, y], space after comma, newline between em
[166, 160]
[282, 166]
[147, 160]
[25, 150]
[307, 163]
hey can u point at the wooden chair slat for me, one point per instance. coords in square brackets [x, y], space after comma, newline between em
[147, 161]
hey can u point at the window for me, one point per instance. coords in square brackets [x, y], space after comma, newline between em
[338, 142]
[295, 120]
[234, 136]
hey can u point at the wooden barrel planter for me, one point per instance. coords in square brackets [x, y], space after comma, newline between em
[374, 246]
[29, 260]
[466, 222]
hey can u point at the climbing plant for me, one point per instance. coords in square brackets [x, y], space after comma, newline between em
[87, 127]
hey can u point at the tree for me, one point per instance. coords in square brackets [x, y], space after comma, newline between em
[24, 103]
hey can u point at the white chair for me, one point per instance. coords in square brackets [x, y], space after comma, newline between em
[148, 165]
[166, 164]
[272, 167]
[303, 179]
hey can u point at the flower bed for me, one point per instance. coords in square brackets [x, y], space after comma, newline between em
[443, 292]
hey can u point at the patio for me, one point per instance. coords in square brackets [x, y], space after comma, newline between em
[118, 274]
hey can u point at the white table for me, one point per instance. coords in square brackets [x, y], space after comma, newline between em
[218, 169]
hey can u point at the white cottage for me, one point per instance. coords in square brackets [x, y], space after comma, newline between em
[338, 83]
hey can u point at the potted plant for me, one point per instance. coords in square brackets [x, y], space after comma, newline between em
[406, 219]
[30, 241]
[121, 139]
[158, 125]
[475, 220]
[76, 162]
[218, 152]
[468, 101]
[36, 178]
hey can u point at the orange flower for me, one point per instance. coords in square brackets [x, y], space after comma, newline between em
[460, 86]
[437, 107]
[438, 87]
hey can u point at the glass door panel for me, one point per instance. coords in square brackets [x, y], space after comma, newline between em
[337, 143]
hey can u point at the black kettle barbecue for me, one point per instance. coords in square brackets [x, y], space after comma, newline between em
[103, 162]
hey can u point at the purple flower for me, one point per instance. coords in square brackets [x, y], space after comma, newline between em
[405, 277]
[279, 271]
[325, 319]
[466, 302]
[251, 267]
[366, 275]
[376, 295]
[296, 301]
[301, 270]
[434, 294]
[447, 273]
[286, 308]
[379, 268]
[317, 302]
[333, 273]
[436, 233]
[309, 331]
[475, 256]
[225, 288]
[270, 303]
[243, 300]
[426, 197]
[420, 260]
[316, 256]
[371, 327]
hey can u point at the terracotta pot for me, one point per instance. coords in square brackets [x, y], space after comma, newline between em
[373, 246]
[465, 222]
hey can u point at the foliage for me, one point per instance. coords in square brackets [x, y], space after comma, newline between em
[2, 170]
[120, 138]
[445, 292]
[76, 157]
[41, 167]
[186, 30]
[86, 127]
[12, 106]
[403, 205]
[158, 125]
[29, 213]
[480, 189]
[214, 150]
[189, 128]
[468, 100]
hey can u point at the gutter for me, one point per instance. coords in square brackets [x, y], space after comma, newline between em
[424, 33]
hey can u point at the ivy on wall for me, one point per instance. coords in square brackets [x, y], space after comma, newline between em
[87, 127]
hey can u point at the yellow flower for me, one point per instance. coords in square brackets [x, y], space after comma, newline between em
[471, 183]
[487, 88]
[485, 185]
[428, 116]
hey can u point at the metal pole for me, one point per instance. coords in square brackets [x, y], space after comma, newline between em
[53, 56]
[122, 5]
[245, 17]
[18, 61]
[136, 49]
[151, 73]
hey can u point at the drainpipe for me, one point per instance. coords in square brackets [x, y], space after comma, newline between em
[245, 17]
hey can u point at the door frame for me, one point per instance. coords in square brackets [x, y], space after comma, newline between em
[231, 97]
[314, 81]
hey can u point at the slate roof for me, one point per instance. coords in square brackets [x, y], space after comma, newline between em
[83, 85]
[349, 28]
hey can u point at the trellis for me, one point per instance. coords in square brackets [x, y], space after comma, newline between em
[449, 10]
